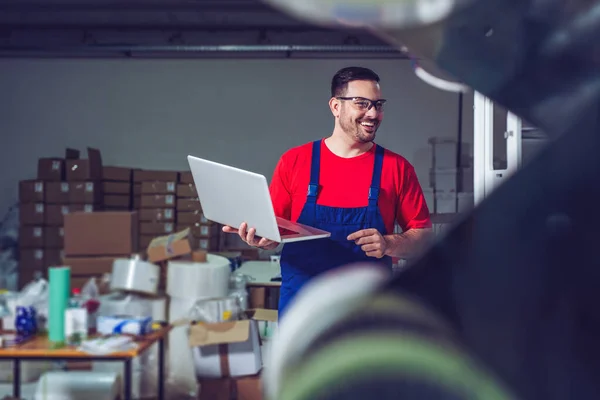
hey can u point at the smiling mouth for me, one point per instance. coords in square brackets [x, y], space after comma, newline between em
[368, 126]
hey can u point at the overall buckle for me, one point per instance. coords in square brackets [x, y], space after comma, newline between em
[312, 190]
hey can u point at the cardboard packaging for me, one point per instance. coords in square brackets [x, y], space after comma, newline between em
[81, 170]
[190, 218]
[55, 213]
[157, 201]
[157, 215]
[31, 237]
[158, 187]
[246, 388]
[116, 188]
[156, 228]
[117, 202]
[101, 233]
[57, 192]
[186, 177]
[187, 191]
[85, 193]
[118, 174]
[51, 169]
[141, 175]
[32, 214]
[31, 191]
[229, 349]
[54, 237]
[187, 205]
[170, 246]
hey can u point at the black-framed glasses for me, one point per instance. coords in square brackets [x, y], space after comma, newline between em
[365, 104]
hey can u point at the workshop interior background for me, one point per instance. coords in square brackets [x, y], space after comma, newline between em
[150, 109]
[234, 81]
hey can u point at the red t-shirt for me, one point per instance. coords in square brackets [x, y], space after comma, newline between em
[345, 183]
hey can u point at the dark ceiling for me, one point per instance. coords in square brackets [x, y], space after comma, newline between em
[176, 28]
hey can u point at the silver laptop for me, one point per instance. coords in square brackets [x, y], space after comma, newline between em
[231, 196]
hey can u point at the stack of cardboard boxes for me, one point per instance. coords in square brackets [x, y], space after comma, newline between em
[166, 203]
[63, 185]
[158, 199]
[117, 188]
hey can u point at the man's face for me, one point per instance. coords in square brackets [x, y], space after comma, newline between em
[359, 117]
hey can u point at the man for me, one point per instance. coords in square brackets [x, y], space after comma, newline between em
[346, 185]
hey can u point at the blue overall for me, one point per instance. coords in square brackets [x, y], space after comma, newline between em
[302, 261]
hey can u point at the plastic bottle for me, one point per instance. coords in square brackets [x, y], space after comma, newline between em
[76, 319]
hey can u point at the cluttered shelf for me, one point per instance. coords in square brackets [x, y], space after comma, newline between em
[40, 347]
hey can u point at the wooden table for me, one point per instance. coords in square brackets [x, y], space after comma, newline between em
[39, 348]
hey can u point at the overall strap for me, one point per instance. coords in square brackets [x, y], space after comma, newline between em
[315, 164]
[376, 180]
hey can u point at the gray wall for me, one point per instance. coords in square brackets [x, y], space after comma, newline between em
[152, 113]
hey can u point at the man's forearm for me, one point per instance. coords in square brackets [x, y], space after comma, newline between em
[407, 244]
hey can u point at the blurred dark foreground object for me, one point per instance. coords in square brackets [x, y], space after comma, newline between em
[518, 278]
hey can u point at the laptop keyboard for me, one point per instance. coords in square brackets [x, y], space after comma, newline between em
[285, 232]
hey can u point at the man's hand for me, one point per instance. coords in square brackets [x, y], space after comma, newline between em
[247, 235]
[371, 242]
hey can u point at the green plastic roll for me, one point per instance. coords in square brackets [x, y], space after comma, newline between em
[59, 292]
[390, 347]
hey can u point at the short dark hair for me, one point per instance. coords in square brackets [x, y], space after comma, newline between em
[340, 80]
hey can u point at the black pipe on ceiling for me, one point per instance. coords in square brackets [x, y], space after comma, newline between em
[198, 6]
[204, 48]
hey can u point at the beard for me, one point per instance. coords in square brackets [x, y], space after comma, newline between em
[360, 133]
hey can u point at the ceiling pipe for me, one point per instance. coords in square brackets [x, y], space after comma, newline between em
[82, 49]
[45, 7]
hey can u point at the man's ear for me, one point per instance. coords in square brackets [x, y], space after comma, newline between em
[334, 106]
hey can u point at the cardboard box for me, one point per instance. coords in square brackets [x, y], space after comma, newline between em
[31, 236]
[55, 213]
[249, 388]
[54, 237]
[85, 193]
[101, 233]
[109, 187]
[95, 266]
[144, 242]
[156, 228]
[157, 215]
[216, 389]
[158, 187]
[31, 191]
[90, 169]
[189, 218]
[186, 177]
[117, 202]
[168, 247]
[203, 230]
[188, 205]
[53, 257]
[187, 191]
[119, 174]
[51, 169]
[153, 175]
[32, 214]
[32, 259]
[229, 349]
[208, 244]
[157, 201]
[57, 193]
